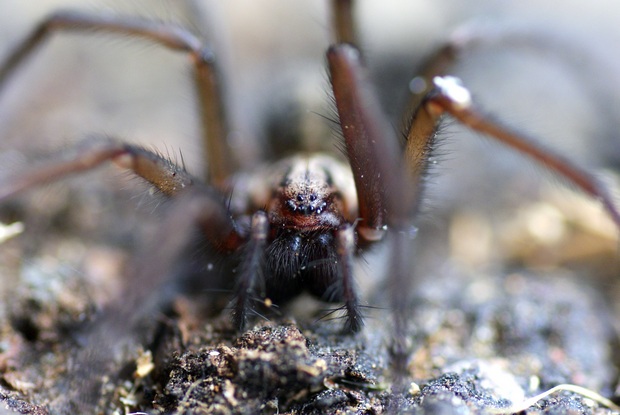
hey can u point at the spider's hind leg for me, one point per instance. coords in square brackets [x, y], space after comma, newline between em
[451, 98]
[221, 164]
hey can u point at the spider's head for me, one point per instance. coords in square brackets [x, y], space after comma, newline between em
[306, 197]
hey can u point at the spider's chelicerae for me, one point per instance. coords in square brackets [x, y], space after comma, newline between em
[297, 224]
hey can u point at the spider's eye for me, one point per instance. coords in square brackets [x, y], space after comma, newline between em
[312, 197]
[300, 198]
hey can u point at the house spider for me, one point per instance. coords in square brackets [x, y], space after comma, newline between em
[296, 224]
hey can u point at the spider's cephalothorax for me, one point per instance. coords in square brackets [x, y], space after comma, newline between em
[307, 199]
[306, 193]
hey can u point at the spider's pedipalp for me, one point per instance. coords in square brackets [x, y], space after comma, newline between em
[345, 249]
[250, 279]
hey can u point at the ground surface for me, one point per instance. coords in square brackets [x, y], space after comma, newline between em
[476, 343]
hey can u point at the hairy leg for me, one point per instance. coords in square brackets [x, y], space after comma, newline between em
[212, 111]
[166, 176]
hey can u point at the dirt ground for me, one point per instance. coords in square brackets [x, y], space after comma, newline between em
[517, 281]
[476, 343]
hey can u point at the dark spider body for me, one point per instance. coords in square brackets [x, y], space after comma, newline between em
[305, 209]
[306, 199]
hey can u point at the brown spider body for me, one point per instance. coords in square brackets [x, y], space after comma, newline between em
[306, 198]
[304, 192]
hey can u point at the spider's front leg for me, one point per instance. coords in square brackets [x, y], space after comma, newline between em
[390, 186]
[387, 194]
[206, 210]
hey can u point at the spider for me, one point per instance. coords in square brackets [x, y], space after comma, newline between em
[296, 224]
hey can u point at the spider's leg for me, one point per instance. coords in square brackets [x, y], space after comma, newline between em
[159, 171]
[214, 123]
[122, 323]
[343, 21]
[437, 64]
[250, 280]
[194, 213]
[450, 97]
[475, 36]
[387, 196]
[385, 190]
[345, 250]
[371, 146]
